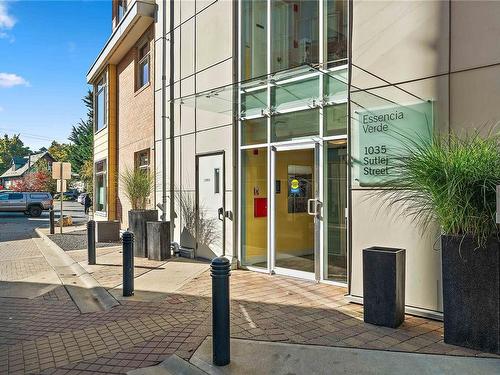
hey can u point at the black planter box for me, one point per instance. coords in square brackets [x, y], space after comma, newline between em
[158, 240]
[471, 293]
[137, 220]
[384, 286]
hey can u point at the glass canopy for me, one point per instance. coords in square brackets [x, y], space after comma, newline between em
[306, 86]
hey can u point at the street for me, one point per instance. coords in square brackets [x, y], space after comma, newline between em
[16, 225]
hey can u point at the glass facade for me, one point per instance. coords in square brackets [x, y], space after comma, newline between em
[100, 186]
[293, 101]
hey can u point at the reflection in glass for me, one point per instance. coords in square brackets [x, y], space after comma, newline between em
[335, 119]
[296, 93]
[254, 38]
[254, 131]
[254, 207]
[294, 33]
[336, 29]
[335, 86]
[294, 227]
[294, 125]
[336, 190]
[253, 102]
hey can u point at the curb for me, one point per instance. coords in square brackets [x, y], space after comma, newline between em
[85, 291]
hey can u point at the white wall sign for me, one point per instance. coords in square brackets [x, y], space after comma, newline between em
[383, 133]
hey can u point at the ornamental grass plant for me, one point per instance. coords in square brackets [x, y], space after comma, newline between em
[450, 180]
[137, 185]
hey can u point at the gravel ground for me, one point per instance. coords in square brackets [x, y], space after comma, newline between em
[77, 241]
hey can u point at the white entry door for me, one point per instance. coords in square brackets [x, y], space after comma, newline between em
[210, 206]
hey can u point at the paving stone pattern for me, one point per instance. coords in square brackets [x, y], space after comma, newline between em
[49, 335]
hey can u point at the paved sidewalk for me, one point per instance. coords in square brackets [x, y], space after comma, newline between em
[49, 335]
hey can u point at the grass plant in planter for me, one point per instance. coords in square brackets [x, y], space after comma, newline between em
[138, 186]
[452, 180]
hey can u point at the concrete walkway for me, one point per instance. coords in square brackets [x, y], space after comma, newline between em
[259, 357]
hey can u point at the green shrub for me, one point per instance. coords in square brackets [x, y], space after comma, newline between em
[137, 185]
[450, 180]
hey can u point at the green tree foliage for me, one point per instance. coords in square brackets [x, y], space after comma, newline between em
[10, 147]
[82, 137]
[60, 151]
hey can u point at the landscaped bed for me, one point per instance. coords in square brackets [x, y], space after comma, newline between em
[77, 240]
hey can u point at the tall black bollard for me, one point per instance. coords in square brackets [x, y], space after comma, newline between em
[128, 264]
[220, 311]
[91, 241]
[51, 221]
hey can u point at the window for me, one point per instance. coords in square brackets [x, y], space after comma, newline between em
[336, 30]
[294, 33]
[39, 196]
[142, 160]
[101, 99]
[4, 197]
[143, 65]
[16, 196]
[100, 186]
[254, 38]
[216, 180]
[121, 10]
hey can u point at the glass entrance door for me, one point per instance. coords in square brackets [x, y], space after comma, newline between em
[296, 209]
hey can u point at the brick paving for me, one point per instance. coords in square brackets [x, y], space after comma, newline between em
[49, 335]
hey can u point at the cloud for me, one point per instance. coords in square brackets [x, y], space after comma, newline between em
[7, 21]
[1, 109]
[10, 80]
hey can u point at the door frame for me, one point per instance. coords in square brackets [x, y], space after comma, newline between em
[316, 147]
[197, 195]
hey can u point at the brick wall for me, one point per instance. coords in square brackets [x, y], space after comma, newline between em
[135, 120]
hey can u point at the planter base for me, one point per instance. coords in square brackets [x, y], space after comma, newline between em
[384, 286]
[471, 293]
[158, 240]
[137, 220]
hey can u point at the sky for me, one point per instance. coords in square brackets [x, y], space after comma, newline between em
[46, 49]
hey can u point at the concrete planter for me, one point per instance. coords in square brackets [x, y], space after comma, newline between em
[137, 220]
[471, 293]
[107, 231]
[384, 286]
[158, 234]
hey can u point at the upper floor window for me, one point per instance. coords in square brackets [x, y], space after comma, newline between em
[143, 65]
[142, 160]
[121, 10]
[101, 99]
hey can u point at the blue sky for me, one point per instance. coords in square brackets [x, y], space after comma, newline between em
[46, 48]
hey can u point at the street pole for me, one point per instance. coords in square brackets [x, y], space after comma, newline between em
[61, 188]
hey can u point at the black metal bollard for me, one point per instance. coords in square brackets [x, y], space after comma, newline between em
[128, 264]
[91, 241]
[220, 311]
[51, 220]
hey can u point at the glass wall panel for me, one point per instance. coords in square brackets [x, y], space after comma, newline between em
[335, 117]
[254, 131]
[295, 94]
[336, 30]
[294, 33]
[254, 207]
[254, 38]
[336, 198]
[294, 125]
[253, 102]
[335, 86]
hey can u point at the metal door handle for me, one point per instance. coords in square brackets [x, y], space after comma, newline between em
[220, 213]
[309, 211]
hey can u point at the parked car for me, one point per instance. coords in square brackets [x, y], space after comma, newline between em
[81, 198]
[31, 203]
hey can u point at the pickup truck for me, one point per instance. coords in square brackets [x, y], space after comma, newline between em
[31, 203]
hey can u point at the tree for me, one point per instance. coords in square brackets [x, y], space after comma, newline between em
[10, 147]
[82, 137]
[60, 151]
[35, 181]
